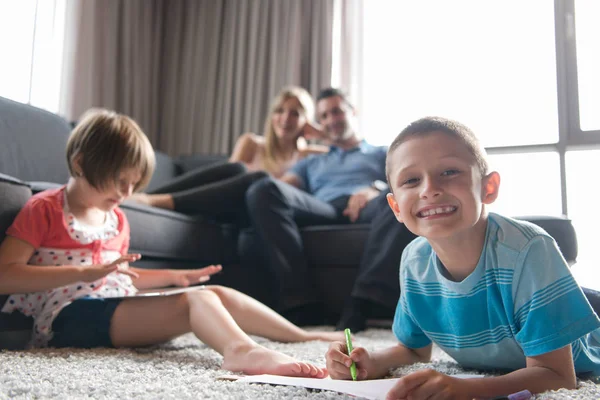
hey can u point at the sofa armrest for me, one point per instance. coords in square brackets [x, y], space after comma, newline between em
[14, 193]
[37, 186]
[15, 329]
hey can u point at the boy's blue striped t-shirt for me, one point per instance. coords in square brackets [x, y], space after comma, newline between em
[521, 300]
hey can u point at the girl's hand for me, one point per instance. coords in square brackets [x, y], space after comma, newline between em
[338, 362]
[121, 265]
[427, 384]
[187, 277]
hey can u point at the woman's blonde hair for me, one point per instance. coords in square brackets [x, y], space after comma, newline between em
[105, 144]
[272, 144]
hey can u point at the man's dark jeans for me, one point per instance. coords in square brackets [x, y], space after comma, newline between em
[277, 211]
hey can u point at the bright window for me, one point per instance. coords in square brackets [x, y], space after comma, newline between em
[31, 39]
[489, 65]
[583, 192]
[529, 184]
[16, 39]
[587, 14]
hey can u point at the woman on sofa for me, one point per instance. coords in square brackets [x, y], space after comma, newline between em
[218, 189]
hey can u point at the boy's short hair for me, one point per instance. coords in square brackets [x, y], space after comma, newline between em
[438, 124]
[108, 144]
[331, 92]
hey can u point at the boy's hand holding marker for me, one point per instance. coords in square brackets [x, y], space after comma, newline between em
[342, 358]
[349, 347]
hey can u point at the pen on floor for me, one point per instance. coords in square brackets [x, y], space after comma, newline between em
[522, 395]
[349, 346]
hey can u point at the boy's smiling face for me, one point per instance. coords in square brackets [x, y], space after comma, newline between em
[437, 188]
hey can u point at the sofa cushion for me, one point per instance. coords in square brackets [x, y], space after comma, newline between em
[319, 241]
[38, 152]
[333, 253]
[323, 244]
[165, 170]
[166, 234]
[190, 162]
[37, 187]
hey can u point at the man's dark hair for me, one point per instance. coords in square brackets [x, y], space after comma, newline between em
[331, 92]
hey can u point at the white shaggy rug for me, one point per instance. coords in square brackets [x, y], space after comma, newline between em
[182, 369]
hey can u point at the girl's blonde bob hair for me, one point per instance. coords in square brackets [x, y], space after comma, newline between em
[104, 144]
[272, 145]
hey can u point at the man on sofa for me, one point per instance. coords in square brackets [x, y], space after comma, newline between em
[345, 185]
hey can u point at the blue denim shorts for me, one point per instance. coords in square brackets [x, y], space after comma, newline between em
[85, 323]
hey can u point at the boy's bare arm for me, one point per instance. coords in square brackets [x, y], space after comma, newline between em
[549, 371]
[397, 356]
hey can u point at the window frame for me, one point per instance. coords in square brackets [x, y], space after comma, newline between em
[566, 37]
[570, 135]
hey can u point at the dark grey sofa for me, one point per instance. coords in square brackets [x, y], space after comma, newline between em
[32, 146]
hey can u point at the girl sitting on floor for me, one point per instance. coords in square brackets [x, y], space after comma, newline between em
[67, 253]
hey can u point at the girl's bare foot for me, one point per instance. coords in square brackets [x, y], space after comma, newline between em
[141, 198]
[163, 200]
[256, 360]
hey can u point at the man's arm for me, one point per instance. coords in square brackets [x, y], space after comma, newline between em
[360, 198]
[358, 201]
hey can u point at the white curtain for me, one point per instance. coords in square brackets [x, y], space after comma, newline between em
[195, 74]
[112, 59]
[348, 50]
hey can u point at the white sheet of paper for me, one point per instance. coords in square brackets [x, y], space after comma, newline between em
[374, 389]
[162, 291]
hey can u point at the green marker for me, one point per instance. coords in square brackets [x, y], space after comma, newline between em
[349, 346]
